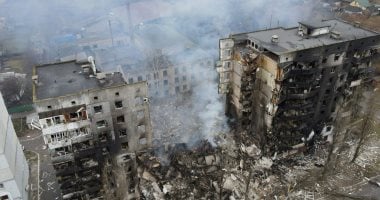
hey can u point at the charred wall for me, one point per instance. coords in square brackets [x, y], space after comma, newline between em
[311, 87]
[85, 131]
[282, 99]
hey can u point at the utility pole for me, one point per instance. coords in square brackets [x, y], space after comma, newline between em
[270, 23]
[110, 27]
[130, 24]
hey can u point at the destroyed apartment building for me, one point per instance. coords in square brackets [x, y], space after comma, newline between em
[90, 120]
[286, 84]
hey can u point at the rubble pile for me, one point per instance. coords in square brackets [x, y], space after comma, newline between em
[237, 169]
[232, 166]
[230, 171]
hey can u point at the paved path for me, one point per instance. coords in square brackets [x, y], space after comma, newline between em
[33, 160]
[48, 187]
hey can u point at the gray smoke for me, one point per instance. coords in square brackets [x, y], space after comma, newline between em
[203, 22]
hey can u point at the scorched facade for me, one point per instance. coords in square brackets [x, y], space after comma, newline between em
[284, 85]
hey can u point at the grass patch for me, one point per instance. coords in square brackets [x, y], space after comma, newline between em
[16, 64]
[32, 160]
[20, 126]
[30, 156]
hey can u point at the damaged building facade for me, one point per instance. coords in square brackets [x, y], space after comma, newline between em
[88, 118]
[285, 84]
[168, 77]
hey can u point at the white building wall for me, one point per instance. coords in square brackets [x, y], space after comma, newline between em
[14, 171]
[131, 95]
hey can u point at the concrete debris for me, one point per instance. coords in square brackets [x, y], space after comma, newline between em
[239, 185]
[252, 150]
[230, 171]
[167, 188]
[235, 169]
[156, 188]
[148, 176]
[212, 160]
[211, 169]
[265, 163]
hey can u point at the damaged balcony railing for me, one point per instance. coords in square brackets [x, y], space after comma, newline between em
[61, 156]
[245, 56]
[301, 80]
[294, 93]
[68, 182]
[103, 137]
[298, 72]
[83, 149]
[71, 126]
[90, 178]
[88, 163]
[297, 69]
[69, 139]
[303, 95]
[288, 139]
[81, 137]
[292, 124]
[247, 83]
[296, 114]
[297, 103]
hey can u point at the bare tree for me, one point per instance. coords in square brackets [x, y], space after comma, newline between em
[11, 88]
[349, 115]
[339, 135]
[346, 117]
[156, 59]
[367, 126]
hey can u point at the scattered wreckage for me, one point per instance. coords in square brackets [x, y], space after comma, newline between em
[229, 171]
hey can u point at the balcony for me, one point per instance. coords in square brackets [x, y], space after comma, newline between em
[289, 124]
[81, 138]
[293, 93]
[61, 157]
[293, 115]
[247, 57]
[83, 152]
[59, 144]
[65, 171]
[247, 87]
[302, 95]
[66, 126]
[304, 71]
[68, 183]
[299, 72]
[297, 104]
[246, 104]
[90, 178]
[93, 190]
[301, 80]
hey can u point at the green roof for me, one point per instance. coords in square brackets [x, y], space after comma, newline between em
[20, 109]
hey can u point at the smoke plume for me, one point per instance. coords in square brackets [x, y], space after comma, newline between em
[202, 22]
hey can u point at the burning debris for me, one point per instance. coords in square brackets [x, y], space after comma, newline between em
[232, 170]
[235, 169]
[184, 120]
